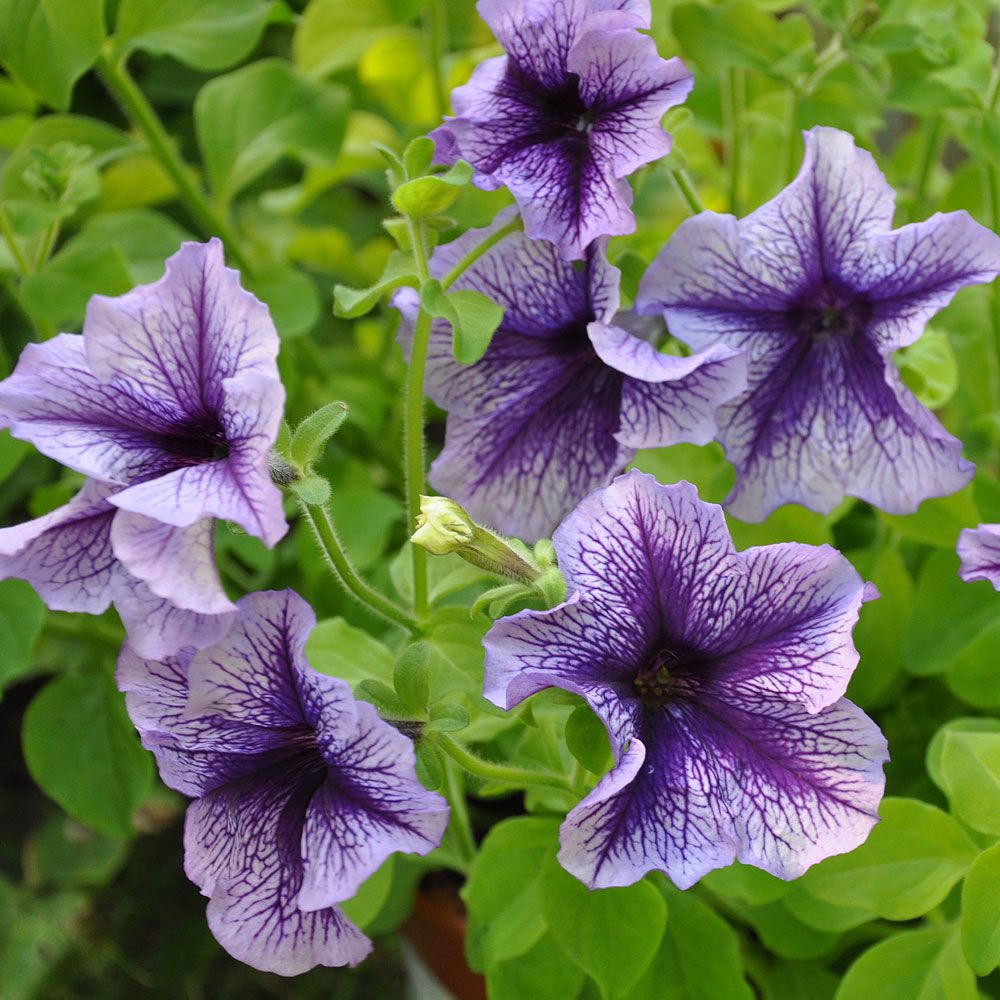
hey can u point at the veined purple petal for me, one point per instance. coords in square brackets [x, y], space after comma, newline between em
[177, 564]
[667, 399]
[242, 848]
[369, 807]
[718, 676]
[182, 336]
[755, 779]
[571, 110]
[66, 554]
[818, 291]
[979, 553]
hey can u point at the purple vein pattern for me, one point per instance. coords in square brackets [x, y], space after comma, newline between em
[169, 402]
[979, 554]
[571, 110]
[819, 290]
[300, 791]
[568, 389]
[719, 676]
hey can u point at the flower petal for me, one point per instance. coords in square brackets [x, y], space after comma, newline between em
[583, 646]
[370, 806]
[668, 399]
[66, 554]
[181, 337]
[241, 845]
[979, 553]
[747, 778]
[177, 564]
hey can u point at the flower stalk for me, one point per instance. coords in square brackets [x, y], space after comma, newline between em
[500, 773]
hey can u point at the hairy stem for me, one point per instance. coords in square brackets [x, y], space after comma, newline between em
[20, 261]
[460, 822]
[413, 425]
[142, 115]
[489, 771]
[687, 191]
[340, 565]
[515, 225]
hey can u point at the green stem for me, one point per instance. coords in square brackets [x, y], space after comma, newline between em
[333, 550]
[735, 99]
[687, 191]
[413, 424]
[20, 261]
[929, 155]
[142, 115]
[488, 771]
[45, 248]
[460, 822]
[515, 225]
[436, 25]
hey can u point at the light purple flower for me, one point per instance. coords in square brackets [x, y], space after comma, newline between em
[571, 109]
[301, 791]
[719, 676]
[169, 402]
[819, 290]
[979, 554]
[568, 389]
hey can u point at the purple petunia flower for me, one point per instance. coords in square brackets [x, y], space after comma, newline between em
[719, 676]
[169, 402]
[979, 554]
[819, 290]
[567, 390]
[571, 109]
[301, 791]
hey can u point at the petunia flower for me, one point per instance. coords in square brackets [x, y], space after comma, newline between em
[719, 676]
[169, 401]
[568, 389]
[300, 791]
[571, 110]
[979, 554]
[819, 290]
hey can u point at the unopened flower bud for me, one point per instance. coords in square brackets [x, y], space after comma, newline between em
[442, 526]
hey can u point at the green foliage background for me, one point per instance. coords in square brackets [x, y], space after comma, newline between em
[273, 107]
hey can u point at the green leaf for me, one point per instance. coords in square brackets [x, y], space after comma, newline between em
[291, 297]
[424, 197]
[699, 958]
[63, 853]
[35, 934]
[82, 750]
[981, 913]
[782, 932]
[502, 892]
[21, 616]
[587, 740]
[925, 964]
[418, 156]
[909, 863]
[313, 490]
[877, 635]
[49, 44]
[970, 776]
[430, 765]
[333, 34]
[382, 697]
[950, 620]
[473, 316]
[249, 119]
[205, 34]
[349, 303]
[410, 678]
[312, 434]
[543, 971]
[939, 520]
[752, 885]
[340, 650]
[447, 717]
[598, 929]
[929, 368]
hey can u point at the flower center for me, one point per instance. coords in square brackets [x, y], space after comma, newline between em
[666, 678]
[830, 319]
[198, 440]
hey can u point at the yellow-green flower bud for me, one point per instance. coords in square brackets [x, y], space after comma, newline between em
[442, 526]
